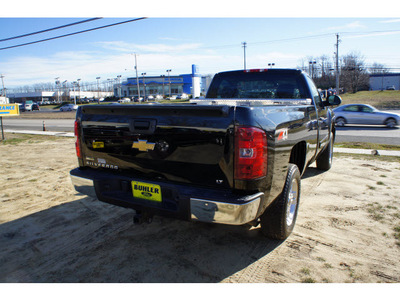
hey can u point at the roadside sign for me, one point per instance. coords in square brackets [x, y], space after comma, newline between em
[9, 110]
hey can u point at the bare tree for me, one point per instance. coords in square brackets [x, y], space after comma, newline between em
[353, 75]
[377, 68]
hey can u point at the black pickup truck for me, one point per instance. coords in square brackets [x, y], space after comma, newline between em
[235, 157]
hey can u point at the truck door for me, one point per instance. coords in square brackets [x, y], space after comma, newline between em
[322, 115]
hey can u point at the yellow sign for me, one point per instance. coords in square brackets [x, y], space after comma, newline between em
[9, 110]
[146, 191]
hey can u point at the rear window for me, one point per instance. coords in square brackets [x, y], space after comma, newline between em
[258, 85]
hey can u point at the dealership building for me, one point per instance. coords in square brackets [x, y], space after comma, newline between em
[164, 85]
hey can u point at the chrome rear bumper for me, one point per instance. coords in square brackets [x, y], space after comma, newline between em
[204, 210]
[225, 213]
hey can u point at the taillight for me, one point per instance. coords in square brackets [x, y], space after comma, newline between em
[250, 153]
[77, 130]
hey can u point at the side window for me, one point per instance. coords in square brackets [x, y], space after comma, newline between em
[314, 92]
[352, 108]
[366, 109]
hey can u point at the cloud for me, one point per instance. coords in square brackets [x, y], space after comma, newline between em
[373, 34]
[121, 46]
[352, 25]
[391, 21]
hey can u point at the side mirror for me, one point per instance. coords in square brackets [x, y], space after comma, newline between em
[332, 100]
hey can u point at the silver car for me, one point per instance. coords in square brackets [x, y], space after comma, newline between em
[364, 114]
[68, 107]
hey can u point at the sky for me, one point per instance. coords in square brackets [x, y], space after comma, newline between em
[211, 39]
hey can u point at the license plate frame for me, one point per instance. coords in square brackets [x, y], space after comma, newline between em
[146, 191]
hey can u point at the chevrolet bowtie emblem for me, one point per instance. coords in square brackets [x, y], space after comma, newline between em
[143, 145]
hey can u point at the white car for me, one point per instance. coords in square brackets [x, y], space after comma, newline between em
[68, 107]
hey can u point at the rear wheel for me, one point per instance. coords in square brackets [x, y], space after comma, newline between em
[279, 219]
[340, 122]
[390, 123]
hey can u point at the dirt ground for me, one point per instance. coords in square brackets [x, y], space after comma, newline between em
[348, 229]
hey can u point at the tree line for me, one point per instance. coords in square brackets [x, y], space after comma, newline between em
[105, 86]
[353, 71]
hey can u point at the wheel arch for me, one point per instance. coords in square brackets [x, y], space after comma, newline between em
[298, 156]
[390, 118]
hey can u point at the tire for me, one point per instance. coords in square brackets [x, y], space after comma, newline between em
[391, 123]
[279, 219]
[340, 122]
[324, 161]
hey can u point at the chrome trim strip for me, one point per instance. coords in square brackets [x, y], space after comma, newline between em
[100, 123]
[84, 186]
[224, 213]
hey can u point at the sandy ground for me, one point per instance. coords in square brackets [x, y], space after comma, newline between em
[345, 232]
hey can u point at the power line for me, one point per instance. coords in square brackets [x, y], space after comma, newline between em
[74, 33]
[50, 29]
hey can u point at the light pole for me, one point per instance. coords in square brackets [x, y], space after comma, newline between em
[163, 78]
[169, 80]
[119, 86]
[73, 85]
[137, 78]
[66, 91]
[144, 87]
[98, 90]
[79, 89]
[4, 90]
[271, 65]
[58, 89]
[312, 63]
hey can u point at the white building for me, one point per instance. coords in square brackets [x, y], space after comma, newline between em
[380, 82]
[4, 100]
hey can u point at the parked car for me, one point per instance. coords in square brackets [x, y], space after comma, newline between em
[35, 106]
[365, 115]
[68, 107]
[25, 107]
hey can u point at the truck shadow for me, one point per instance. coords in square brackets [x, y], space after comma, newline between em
[312, 172]
[89, 241]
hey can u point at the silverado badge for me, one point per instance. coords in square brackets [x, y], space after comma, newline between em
[143, 145]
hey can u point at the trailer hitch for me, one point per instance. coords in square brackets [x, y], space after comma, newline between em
[142, 217]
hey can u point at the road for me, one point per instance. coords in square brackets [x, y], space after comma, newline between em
[370, 134]
[37, 124]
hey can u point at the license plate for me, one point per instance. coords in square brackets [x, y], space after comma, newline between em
[97, 145]
[146, 191]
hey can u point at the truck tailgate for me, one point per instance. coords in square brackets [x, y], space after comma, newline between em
[179, 143]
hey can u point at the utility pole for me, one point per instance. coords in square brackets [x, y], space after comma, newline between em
[98, 90]
[337, 63]
[137, 79]
[244, 55]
